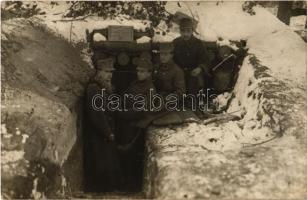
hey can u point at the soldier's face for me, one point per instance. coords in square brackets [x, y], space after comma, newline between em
[105, 75]
[186, 33]
[143, 74]
[165, 57]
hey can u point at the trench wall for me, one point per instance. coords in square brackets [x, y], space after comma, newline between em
[43, 79]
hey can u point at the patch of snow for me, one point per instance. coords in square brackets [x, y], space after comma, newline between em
[74, 30]
[283, 52]
[298, 22]
[221, 100]
[99, 37]
[197, 137]
[3, 129]
[8, 136]
[86, 55]
[35, 194]
[24, 138]
[18, 131]
[11, 156]
[168, 37]
[143, 39]
[227, 43]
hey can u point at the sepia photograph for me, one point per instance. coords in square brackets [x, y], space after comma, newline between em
[154, 100]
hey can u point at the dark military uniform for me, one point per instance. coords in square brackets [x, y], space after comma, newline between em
[169, 79]
[131, 136]
[189, 55]
[102, 167]
[135, 88]
[141, 88]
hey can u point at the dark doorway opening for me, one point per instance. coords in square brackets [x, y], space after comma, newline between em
[130, 177]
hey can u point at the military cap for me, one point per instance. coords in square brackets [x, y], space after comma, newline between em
[105, 64]
[186, 23]
[166, 47]
[144, 64]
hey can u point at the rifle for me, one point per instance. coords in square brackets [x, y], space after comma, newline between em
[218, 65]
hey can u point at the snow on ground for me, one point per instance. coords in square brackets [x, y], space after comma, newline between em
[284, 52]
[197, 137]
[11, 156]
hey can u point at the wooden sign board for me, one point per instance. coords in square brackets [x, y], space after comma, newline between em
[120, 33]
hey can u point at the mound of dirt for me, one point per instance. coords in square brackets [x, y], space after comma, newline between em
[43, 79]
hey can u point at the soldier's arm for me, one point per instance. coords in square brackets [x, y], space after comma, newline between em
[98, 118]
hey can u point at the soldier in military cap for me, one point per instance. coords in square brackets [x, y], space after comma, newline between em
[131, 139]
[140, 87]
[169, 77]
[192, 56]
[144, 83]
[102, 165]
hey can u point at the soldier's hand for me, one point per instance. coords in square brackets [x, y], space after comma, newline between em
[196, 71]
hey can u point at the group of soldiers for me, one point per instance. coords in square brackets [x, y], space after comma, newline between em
[111, 138]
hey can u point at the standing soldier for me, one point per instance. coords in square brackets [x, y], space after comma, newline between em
[191, 55]
[101, 159]
[131, 139]
[169, 78]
